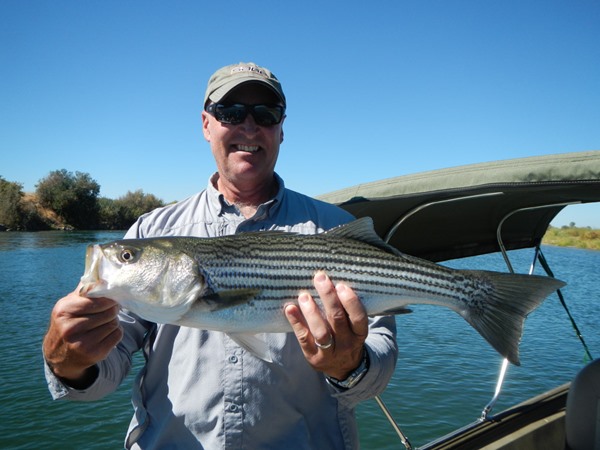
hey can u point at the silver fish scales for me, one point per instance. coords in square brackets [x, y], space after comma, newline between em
[240, 284]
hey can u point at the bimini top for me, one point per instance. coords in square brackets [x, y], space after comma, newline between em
[457, 212]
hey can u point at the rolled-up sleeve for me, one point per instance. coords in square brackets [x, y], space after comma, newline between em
[111, 371]
[383, 353]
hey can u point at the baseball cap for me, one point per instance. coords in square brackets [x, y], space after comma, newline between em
[229, 77]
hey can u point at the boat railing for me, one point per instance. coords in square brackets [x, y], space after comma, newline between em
[538, 256]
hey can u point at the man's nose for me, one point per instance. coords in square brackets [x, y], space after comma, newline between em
[249, 124]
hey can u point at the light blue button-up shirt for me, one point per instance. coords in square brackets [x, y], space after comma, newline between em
[199, 389]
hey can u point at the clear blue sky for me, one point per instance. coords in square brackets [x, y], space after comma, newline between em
[375, 89]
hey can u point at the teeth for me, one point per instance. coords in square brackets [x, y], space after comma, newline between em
[248, 148]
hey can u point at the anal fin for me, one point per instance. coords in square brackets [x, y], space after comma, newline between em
[254, 344]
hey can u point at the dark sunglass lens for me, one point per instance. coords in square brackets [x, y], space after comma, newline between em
[232, 114]
[266, 115]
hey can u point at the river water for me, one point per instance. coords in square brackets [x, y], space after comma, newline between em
[445, 375]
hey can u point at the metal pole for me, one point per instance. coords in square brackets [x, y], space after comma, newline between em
[395, 426]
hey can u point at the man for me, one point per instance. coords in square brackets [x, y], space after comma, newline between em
[199, 389]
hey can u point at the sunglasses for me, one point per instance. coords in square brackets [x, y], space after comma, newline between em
[264, 115]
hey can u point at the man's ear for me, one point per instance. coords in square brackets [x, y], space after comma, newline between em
[205, 129]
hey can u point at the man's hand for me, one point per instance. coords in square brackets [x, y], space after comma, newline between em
[82, 332]
[333, 342]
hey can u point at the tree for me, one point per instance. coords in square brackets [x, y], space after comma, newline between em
[134, 204]
[121, 213]
[10, 203]
[72, 197]
[109, 214]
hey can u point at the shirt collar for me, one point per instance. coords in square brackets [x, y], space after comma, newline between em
[220, 205]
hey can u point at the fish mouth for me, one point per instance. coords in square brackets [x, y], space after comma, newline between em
[91, 276]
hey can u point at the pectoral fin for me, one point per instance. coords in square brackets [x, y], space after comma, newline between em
[254, 344]
[228, 299]
[396, 311]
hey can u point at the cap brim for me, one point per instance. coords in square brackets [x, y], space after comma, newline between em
[220, 93]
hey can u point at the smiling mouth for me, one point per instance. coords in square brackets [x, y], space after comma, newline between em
[247, 148]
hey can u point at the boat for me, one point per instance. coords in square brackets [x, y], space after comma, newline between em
[485, 208]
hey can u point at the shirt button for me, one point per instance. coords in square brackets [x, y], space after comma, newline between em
[233, 407]
[233, 359]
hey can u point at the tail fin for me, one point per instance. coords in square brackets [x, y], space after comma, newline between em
[501, 313]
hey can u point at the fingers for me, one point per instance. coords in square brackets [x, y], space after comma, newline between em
[82, 332]
[318, 326]
[335, 314]
[331, 337]
[310, 324]
[298, 322]
[356, 313]
[77, 317]
[344, 312]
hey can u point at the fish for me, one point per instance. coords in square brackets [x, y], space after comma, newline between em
[240, 284]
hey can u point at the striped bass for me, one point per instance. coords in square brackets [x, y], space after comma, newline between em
[240, 284]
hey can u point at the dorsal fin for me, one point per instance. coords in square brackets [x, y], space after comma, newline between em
[362, 230]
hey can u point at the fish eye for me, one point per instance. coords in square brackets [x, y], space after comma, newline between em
[127, 255]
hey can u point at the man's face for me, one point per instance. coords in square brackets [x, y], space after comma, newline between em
[246, 152]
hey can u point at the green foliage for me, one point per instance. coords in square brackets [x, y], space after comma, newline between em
[121, 213]
[573, 236]
[72, 197]
[109, 216]
[10, 203]
[134, 204]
